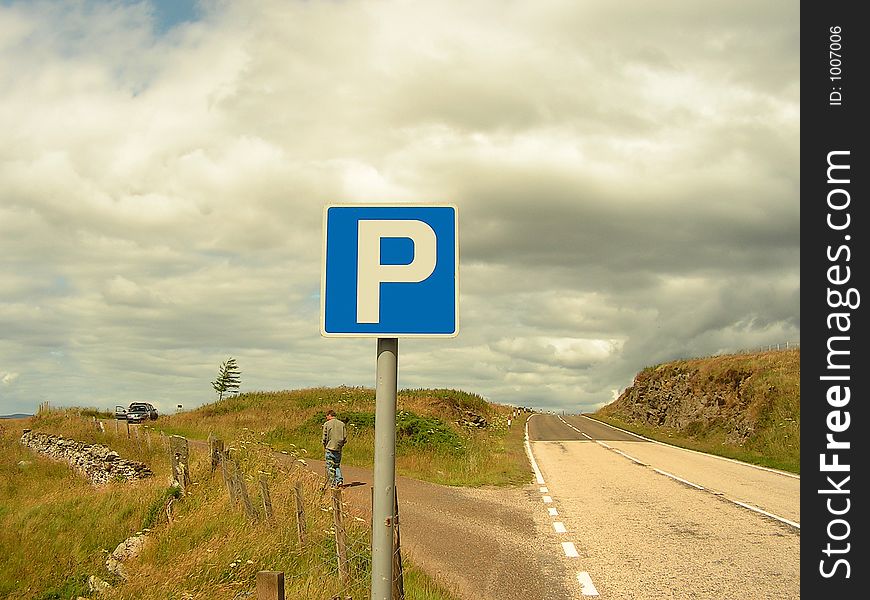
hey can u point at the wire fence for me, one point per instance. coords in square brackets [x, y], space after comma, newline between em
[321, 543]
[333, 538]
[790, 345]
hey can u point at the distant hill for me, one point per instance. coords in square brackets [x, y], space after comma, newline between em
[15, 416]
[742, 405]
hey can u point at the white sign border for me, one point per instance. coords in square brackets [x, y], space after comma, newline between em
[327, 334]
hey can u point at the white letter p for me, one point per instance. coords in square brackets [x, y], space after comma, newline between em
[371, 273]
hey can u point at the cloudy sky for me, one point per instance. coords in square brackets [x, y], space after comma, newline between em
[626, 175]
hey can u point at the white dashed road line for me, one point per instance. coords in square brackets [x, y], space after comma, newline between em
[587, 588]
[689, 483]
[764, 512]
[680, 479]
[725, 458]
[630, 457]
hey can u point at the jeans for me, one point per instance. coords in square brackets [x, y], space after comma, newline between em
[333, 468]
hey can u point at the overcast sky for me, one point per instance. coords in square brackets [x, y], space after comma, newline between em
[626, 175]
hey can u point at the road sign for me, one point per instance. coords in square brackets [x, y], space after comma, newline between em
[390, 270]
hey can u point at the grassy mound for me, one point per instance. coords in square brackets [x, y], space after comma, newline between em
[431, 444]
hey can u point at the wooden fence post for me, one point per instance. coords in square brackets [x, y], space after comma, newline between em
[270, 585]
[168, 508]
[300, 514]
[267, 498]
[226, 471]
[216, 449]
[179, 453]
[340, 536]
[398, 571]
[242, 491]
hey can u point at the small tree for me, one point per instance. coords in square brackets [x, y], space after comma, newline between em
[228, 379]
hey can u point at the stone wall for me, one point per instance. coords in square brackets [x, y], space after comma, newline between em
[98, 463]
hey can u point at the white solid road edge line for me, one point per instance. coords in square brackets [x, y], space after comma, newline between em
[538, 477]
[587, 588]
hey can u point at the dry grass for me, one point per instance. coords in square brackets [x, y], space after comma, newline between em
[56, 529]
[451, 455]
[55, 525]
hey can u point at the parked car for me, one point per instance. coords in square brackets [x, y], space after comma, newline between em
[137, 412]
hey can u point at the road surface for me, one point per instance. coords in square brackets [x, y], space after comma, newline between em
[644, 520]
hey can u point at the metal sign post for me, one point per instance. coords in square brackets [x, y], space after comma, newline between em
[383, 516]
[389, 271]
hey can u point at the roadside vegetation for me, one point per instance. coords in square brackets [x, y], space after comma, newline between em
[56, 529]
[431, 443]
[747, 406]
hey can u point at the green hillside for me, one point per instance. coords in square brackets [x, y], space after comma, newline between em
[435, 438]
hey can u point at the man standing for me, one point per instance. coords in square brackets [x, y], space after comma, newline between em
[334, 439]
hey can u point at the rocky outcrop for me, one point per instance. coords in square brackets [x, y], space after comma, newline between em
[684, 398]
[471, 419]
[96, 462]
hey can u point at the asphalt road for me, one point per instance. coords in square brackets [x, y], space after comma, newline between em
[648, 521]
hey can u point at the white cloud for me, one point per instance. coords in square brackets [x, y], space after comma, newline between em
[622, 200]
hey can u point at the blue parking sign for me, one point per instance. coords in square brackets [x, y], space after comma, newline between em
[390, 270]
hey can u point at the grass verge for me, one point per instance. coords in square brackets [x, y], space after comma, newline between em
[56, 529]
